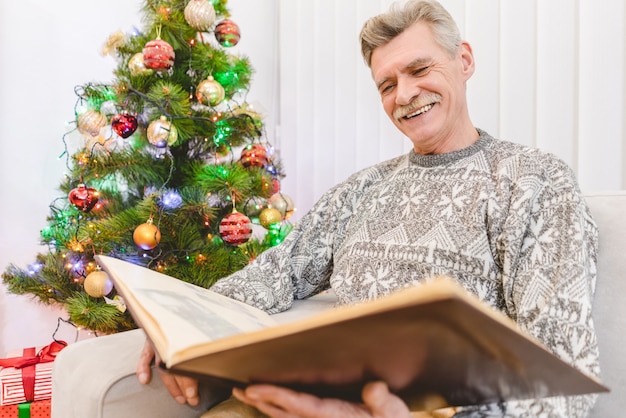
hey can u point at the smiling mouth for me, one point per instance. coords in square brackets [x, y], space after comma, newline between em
[416, 107]
[419, 111]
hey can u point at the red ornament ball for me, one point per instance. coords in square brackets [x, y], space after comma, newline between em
[236, 228]
[83, 197]
[254, 155]
[124, 124]
[158, 55]
[227, 33]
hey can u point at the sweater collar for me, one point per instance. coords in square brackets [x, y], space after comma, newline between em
[450, 157]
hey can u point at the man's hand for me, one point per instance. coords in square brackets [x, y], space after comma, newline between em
[278, 402]
[183, 389]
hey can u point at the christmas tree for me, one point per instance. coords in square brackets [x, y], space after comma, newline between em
[173, 170]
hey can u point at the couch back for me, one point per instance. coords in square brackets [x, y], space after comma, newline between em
[609, 308]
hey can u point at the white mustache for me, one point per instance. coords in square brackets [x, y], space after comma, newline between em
[417, 103]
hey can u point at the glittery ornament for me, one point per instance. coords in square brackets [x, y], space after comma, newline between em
[200, 15]
[83, 197]
[158, 55]
[124, 124]
[162, 133]
[254, 155]
[235, 228]
[210, 92]
[147, 236]
[98, 284]
[90, 122]
[137, 66]
[269, 217]
[283, 204]
[227, 33]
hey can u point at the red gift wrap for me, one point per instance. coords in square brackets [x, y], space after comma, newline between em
[37, 409]
[27, 376]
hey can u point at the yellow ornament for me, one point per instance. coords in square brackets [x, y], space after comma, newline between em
[162, 133]
[90, 122]
[137, 66]
[200, 15]
[269, 217]
[98, 284]
[147, 236]
[210, 92]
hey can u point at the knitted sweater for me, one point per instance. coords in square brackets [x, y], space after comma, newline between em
[508, 222]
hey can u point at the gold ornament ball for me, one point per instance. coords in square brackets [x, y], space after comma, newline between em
[147, 236]
[210, 92]
[98, 284]
[200, 15]
[90, 123]
[162, 133]
[269, 217]
[137, 66]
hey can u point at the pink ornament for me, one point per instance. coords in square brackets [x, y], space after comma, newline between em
[236, 228]
[158, 55]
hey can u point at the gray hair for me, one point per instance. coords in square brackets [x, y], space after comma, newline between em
[380, 30]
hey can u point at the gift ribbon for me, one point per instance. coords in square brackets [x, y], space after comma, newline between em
[28, 361]
[23, 410]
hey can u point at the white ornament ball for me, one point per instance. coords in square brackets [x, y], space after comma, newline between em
[200, 15]
[98, 284]
[283, 204]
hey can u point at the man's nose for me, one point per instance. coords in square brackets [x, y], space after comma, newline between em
[406, 91]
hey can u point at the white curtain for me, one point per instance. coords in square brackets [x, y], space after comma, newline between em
[549, 74]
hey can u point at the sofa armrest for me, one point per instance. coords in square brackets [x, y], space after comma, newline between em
[105, 368]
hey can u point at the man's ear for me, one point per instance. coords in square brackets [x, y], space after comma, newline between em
[467, 59]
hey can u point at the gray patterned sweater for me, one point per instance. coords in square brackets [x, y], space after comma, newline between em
[506, 221]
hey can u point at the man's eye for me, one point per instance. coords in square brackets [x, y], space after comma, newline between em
[386, 88]
[420, 71]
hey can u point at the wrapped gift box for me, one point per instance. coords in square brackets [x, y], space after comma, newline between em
[37, 409]
[26, 375]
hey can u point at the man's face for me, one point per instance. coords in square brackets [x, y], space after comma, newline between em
[422, 88]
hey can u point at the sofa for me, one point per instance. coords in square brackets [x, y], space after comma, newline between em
[95, 378]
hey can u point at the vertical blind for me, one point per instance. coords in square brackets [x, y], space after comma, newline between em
[549, 74]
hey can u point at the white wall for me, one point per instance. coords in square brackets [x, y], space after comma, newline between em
[44, 56]
[549, 74]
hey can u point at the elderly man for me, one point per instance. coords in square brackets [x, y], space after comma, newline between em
[506, 221]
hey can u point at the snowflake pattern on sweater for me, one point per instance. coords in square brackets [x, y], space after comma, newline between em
[508, 222]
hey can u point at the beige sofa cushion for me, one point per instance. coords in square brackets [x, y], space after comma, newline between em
[609, 308]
